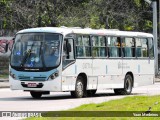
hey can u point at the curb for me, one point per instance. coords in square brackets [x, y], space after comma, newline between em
[4, 80]
[1, 87]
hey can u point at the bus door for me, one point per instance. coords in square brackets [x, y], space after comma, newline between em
[68, 66]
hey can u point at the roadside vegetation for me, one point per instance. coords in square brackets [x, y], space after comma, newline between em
[111, 14]
[143, 104]
[4, 76]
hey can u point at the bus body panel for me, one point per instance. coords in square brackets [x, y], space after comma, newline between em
[69, 76]
[108, 72]
[141, 69]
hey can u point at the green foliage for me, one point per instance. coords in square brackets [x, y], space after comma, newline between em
[138, 2]
[115, 14]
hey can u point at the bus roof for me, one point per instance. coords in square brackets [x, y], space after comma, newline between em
[67, 30]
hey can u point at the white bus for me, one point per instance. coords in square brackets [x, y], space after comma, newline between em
[81, 61]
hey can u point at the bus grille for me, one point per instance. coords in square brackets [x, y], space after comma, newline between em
[27, 78]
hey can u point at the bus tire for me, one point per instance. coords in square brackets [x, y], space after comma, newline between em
[127, 86]
[91, 93]
[36, 94]
[79, 88]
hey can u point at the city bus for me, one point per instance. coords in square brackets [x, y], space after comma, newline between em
[80, 61]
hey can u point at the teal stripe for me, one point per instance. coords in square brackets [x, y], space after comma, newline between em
[75, 69]
[106, 69]
[139, 69]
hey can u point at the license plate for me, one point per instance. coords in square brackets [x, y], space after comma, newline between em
[32, 85]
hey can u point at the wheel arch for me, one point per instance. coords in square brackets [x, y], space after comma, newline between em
[84, 78]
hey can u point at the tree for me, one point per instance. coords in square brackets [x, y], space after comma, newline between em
[114, 14]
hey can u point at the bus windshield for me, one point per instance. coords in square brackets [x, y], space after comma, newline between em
[36, 50]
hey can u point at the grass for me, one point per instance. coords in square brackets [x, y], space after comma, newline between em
[135, 103]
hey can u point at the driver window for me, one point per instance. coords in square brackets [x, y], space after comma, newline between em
[68, 52]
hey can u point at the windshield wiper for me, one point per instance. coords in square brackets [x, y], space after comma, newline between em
[28, 53]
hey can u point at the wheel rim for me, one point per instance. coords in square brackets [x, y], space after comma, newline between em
[128, 85]
[79, 88]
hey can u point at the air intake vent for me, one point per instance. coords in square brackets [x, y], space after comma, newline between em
[23, 78]
[28, 78]
[39, 78]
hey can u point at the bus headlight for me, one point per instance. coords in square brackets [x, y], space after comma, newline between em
[54, 75]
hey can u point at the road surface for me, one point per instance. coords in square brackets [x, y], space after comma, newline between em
[22, 101]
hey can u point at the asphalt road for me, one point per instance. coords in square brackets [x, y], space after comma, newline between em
[22, 101]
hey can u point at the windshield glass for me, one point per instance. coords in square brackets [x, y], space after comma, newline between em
[36, 50]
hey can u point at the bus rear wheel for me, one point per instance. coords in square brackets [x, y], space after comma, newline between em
[36, 94]
[127, 86]
[79, 88]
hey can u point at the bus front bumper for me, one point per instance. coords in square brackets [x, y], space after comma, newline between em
[49, 85]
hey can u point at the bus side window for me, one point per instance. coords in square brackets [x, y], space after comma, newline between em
[98, 46]
[128, 47]
[142, 47]
[145, 47]
[138, 47]
[83, 47]
[114, 46]
[79, 47]
[139, 51]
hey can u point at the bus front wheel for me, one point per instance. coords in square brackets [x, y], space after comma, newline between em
[127, 86]
[79, 88]
[36, 94]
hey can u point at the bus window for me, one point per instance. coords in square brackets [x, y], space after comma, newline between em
[128, 45]
[114, 46]
[151, 47]
[99, 46]
[83, 48]
[138, 48]
[68, 52]
[141, 47]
